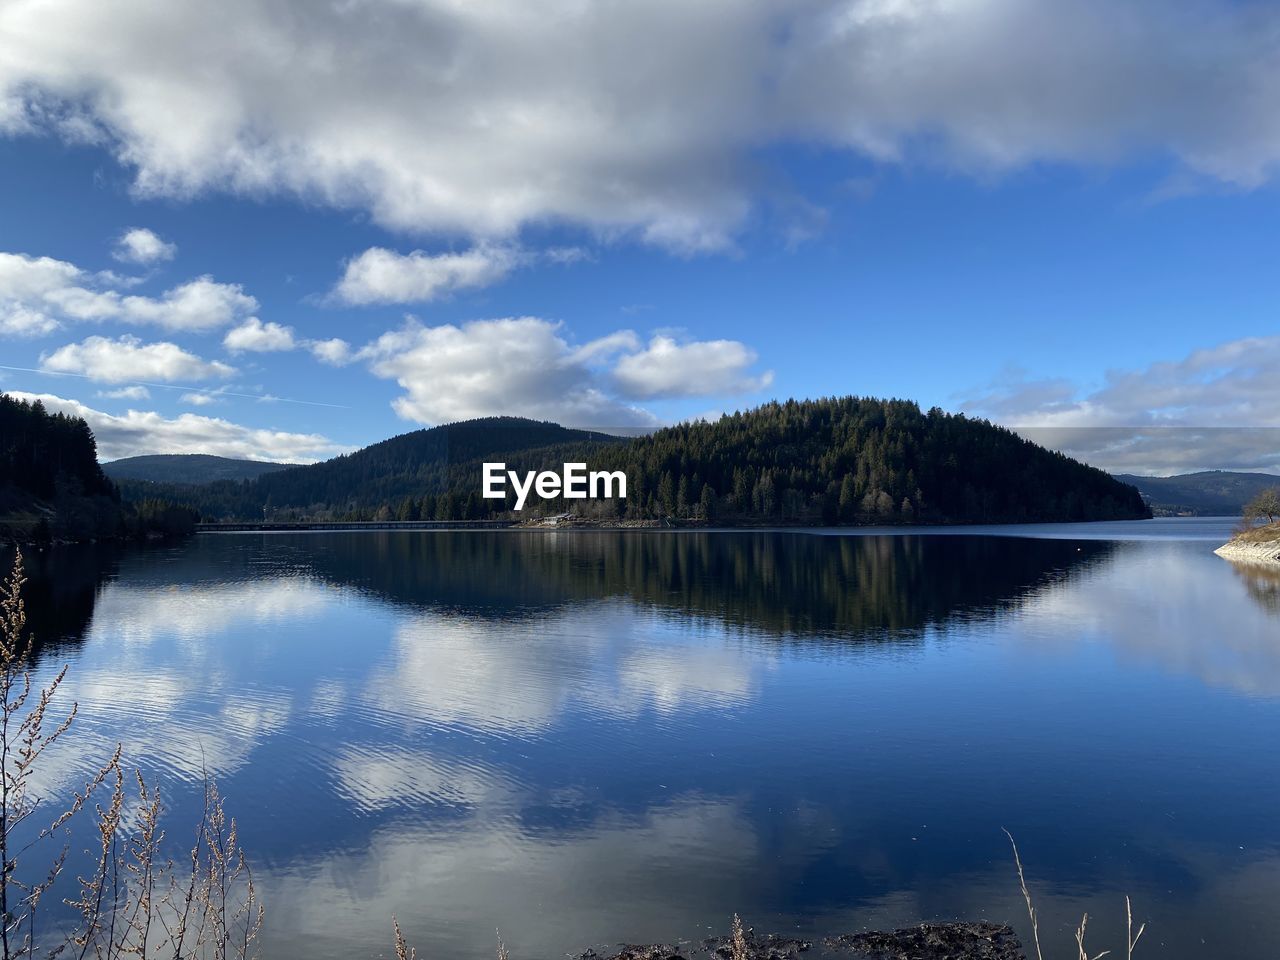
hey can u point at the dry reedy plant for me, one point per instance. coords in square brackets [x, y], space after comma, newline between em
[739, 939]
[1131, 938]
[403, 950]
[132, 902]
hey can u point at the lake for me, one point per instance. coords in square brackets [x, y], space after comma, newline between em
[585, 737]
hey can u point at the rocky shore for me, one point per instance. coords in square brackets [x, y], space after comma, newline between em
[1260, 545]
[929, 941]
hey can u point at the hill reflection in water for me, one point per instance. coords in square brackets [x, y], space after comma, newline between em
[589, 737]
[787, 584]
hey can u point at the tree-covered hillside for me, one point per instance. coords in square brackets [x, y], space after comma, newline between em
[42, 453]
[52, 487]
[379, 479]
[838, 460]
[853, 459]
[1210, 493]
[50, 481]
[188, 468]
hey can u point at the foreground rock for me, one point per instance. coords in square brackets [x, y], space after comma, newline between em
[1260, 545]
[929, 941]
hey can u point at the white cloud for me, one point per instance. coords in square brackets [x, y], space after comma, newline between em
[1216, 408]
[647, 117]
[136, 392]
[524, 366]
[383, 276]
[200, 305]
[198, 398]
[128, 358]
[24, 278]
[37, 293]
[254, 335]
[519, 366]
[141, 432]
[334, 352]
[24, 284]
[140, 245]
[17, 320]
[670, 369]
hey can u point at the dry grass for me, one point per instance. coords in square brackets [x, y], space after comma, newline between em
[1082, 953]
[739, 939]
[1266, 533]
[403, 950]
[132, 902]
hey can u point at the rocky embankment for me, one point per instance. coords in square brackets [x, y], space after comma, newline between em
[929, 941]
[1260, 545]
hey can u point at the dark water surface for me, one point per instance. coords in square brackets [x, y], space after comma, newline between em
[588, 737]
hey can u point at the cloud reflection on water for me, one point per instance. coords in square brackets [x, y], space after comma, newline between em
[469, 761]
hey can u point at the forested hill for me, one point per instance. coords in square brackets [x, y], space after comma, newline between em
[838, 460]
[52, 487]
[410, 464]
[188, 468]
[49, 472]
[852, 459]
[377, 480]
[1210, 493]
[41, 452]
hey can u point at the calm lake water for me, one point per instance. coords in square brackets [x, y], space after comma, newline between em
[580, 738]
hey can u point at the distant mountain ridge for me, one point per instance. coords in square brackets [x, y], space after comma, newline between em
[192, 468]
[838, 460]
[1209, 493]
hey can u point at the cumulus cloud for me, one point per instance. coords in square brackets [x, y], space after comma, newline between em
[334, 352]
[255, 336]
[136, 392]
[383, 276]
[128, 358]
[200, 305]
[17, 320]
[24, 278]
[648, 118]
[518, 365]
[669, 369]
[140, 245]
[1216, 408]
[525, 366]
[141, 432]
[38, 293]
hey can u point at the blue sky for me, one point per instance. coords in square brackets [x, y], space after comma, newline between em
[1068, 227]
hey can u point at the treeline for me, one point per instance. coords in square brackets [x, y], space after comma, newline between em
[53, 488]
[847, 460]
[861, 460]
[426, 474]
[44, 453]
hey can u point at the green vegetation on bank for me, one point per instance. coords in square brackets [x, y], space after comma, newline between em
[831, 461]
[52, 487]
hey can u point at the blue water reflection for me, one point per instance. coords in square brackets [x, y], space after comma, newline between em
[581, 738]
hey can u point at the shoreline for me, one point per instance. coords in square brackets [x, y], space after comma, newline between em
[578, 523]
[954, 940]
[1256, 545]
[1258, 553]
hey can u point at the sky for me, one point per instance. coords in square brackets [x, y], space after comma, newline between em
[285, 229]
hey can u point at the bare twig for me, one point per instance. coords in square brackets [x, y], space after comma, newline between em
[1026, 895]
